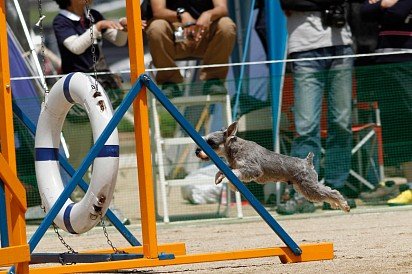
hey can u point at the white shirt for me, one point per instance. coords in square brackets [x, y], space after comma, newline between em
[306, 32]
[78, 44]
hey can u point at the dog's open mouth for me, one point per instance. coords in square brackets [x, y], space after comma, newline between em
[202, 155]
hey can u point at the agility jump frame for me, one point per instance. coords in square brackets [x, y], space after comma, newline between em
[151, 253]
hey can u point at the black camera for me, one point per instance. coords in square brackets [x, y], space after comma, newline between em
[334, 16]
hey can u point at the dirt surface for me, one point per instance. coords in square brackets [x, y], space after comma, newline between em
[367, 240]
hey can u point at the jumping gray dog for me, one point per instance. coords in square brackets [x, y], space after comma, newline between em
[251, 162]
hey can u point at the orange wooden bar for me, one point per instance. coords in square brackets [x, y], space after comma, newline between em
[310, 252]
[12, 183]
[14, 254]
[17, 251]
[142, 139]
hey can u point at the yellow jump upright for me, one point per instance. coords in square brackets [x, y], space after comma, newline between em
[153, 253]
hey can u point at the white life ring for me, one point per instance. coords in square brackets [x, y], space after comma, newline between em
[73, 88]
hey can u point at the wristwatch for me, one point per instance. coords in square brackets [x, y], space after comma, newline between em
[179, 12]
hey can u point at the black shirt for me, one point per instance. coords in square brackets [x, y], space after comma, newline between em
[194, 7]
[395, 28]
[65, 27]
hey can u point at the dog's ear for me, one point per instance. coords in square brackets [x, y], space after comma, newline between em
[232, 129]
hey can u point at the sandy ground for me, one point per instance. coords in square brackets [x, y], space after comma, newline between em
[367, 240]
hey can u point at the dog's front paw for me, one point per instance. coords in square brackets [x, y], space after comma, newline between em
[345, 207]
[219, 177]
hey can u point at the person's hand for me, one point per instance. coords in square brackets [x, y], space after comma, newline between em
[123, 22]
[194, 32]
[204, 20]
[386, 4]
[144, 24]
[107, 24]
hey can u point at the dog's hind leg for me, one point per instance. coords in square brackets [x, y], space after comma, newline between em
[316, 192]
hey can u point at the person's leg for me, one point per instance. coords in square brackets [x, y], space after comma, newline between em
[308, 92]
[339, 139]
[395, 103]
[216, 48]
[163, 50]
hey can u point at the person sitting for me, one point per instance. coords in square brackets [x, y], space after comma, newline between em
[191, 29]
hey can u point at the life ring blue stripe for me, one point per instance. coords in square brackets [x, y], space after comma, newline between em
[47, 154]
[66, 88]
[109, 151]
[52, 154]
[66, 219]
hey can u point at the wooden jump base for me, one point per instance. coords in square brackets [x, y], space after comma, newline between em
[16, 251]
[315, 252]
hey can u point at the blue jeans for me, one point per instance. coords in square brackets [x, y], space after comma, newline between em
[313, 79]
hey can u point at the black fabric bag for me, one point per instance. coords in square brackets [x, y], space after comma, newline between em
[146, 10]
[309, 5]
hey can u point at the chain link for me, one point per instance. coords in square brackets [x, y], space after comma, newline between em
[109, 242]
[93, 49]
[43, 55]
[60, 237]
[69, 248]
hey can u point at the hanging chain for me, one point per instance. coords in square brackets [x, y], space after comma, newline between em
[59, 236]
[69, 248]
[43, 55]
[93, 49]
[109, 242]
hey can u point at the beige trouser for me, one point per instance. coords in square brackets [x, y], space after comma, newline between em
[214, 48]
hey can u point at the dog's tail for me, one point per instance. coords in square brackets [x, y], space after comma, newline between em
[309, 159]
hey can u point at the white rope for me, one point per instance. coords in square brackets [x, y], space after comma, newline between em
[232, 64]
[30, 43]
[283, 61]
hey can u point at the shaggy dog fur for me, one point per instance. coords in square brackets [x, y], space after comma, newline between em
[252, 162]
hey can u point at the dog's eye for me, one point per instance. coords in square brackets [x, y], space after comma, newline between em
[212, 143]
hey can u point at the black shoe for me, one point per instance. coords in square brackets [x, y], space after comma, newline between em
[214, 87]
[271, 199]
[345, 191]
[171, 90]
[382, 193]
